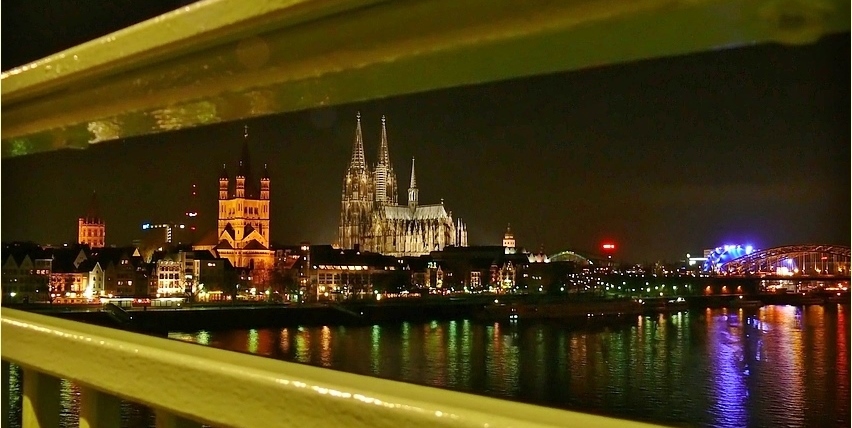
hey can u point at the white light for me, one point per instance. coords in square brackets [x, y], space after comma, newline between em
[13, 294]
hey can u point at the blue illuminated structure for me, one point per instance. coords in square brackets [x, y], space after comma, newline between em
[724, 254]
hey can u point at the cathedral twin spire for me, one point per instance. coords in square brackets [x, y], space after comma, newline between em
[382, 178]
[358, 159]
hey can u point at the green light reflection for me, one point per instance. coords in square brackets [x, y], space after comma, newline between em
[252, 341]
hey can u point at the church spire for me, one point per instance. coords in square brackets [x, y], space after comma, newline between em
[413, 177]
[412, 191]
[245, 187]
[92, 212]
[358, 161]
[245, 166]
[384, 157]
[384, 177]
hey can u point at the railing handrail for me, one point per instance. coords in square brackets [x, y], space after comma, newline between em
[224, 388]
[222, 60]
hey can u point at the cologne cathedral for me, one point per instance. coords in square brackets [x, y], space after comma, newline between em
[371, 218]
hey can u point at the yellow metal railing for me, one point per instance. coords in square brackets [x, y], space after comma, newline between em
[224, 60]
[188, 384]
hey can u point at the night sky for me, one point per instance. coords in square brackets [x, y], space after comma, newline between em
[663, 157]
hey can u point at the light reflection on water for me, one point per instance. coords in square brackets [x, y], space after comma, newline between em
[777, 365]
[773, 366]
[132, 415]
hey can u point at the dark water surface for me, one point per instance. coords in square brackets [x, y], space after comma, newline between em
[772, 366]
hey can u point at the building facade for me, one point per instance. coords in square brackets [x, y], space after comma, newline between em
[243, 226]
[79, 276]
[25, 273]
[91, 229]
[371, 219]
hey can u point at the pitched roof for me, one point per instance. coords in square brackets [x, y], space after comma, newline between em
[229, 230]
[421, 212]
[112, 254]
[254, 245]
[92, 211]
[63, 262]
[87, 266]
[19, 250]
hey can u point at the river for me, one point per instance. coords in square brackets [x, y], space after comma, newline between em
[758, 367]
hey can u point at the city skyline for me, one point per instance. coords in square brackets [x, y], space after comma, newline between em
[662, 157]
[566, 213]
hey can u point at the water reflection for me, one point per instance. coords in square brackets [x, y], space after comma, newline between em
[777, 365]
[727, 368]
[132, 415]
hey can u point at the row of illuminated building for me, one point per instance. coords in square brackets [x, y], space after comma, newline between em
[34, 273]
[325, 272]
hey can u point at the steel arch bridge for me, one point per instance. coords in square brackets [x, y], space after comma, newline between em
[790, 260]
[571, 256]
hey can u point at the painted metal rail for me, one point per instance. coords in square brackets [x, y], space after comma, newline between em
[187, 385]
[223, 60]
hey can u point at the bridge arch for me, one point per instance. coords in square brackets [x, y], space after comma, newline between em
[790, 260]
[571, 256]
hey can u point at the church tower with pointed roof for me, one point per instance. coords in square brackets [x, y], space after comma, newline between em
[384, 177]
[91, 229]
[357, 198]
[243, 227]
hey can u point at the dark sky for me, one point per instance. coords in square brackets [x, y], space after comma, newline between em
[663, 157]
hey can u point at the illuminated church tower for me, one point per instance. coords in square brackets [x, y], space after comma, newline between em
[384, 177]
[509, 240]
[91, 229]
[243, 229]
[357, 198]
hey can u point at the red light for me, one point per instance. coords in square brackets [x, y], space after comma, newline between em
[608, 246]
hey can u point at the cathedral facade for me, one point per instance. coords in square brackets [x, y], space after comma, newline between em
[372, 219]
[243, 227]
